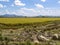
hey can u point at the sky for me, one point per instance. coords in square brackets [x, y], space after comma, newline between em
[30, 7]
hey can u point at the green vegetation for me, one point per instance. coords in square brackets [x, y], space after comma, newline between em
[25, 20]
[29, 31]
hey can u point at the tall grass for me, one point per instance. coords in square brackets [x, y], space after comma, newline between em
[25, 20]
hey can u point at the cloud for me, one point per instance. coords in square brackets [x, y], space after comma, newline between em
[39, 6]
[27, 12]
[5, 0]
[33, 12]
[49, 12]
[28, 9]
[10, 12]
[19, 3]
[58, 1]
[37, 12]
[43, 0]
[1, 6]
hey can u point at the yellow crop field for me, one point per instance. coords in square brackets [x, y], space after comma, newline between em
[25, 20]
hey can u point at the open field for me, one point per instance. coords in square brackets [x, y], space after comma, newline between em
[29, 31]
[25, 20]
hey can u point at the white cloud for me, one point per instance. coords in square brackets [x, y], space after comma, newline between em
[36, 12]
[1, 6]
[49, 12]
[5, 0]
[19, 3]
[9, 12]
[58, 1]
[28, 9]
[43, 0]
[27, 12]
[39, 5]
[33, 12]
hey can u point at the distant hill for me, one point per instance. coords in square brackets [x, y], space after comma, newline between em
[40, 16]
[10, 15]
[16, 16]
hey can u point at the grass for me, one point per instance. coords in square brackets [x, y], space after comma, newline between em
[25, 20]
[7, 34]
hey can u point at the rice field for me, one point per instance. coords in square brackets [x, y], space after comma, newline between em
[27, 34]
[25, 20]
